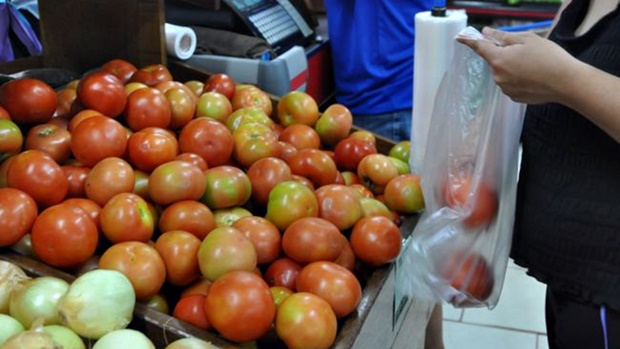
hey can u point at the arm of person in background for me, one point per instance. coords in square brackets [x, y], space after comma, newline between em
[531, 69]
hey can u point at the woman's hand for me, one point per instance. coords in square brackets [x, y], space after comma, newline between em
[527, 67]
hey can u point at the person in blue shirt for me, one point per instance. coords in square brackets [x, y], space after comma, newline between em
[372, 45]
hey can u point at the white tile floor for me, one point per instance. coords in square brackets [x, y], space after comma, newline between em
[517, 322]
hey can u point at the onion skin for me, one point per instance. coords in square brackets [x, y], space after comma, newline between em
[37, 299]
[10, 276]
[124, 338]
[190, 343]
[98, 302]
[31, 339]
[9, 326]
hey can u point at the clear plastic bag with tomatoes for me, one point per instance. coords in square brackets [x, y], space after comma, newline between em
[460, 247]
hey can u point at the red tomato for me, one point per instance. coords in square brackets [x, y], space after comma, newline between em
[226, 186]
[18, 212]
[225, 249]
[11, 139]
[107, 178]
[151, 75]
[65, 97]
[483, 202]
[126, 217]
[287, 151]
[151, 147]
[289, 201]
[92, 208]
[175, 181]
[305, 320]
[312, 239]
[121, 68]
[140, 263]
[375, 171]
[97, 138]
[141, 184]
[297, 107]
[283, 272]
[264, 174]
[403, 194]
[220, 83]
[350, 178]
[214, 105]
[347, 256]
[189, 215]
[301, 136]
[4, 168]
[314, 164]
[28, 101]
[332, 282]
[4, 115]
[182, 106]
[252, 97]
[64, 236]
[334, 124]
[253, 142]
[147, 107]
[364, 135]
[76, 176]
[51, 139]
[103, 92]
[375, 240]
[264, 235]
[191, 309]
[179, 250]
[470, 274]
[339, 204]
[37, 174]
[240, 307]
[81, 116]
[350, 151]
[201, 287]
[209, 139]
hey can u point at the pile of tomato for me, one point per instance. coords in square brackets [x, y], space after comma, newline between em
[236, 213]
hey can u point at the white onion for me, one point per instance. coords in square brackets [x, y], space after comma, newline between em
[125, 338]
[8, 327]
[190, 343]
[37, 299]
[97, 302]
[65, 336]
[35, 338]
[10, 275]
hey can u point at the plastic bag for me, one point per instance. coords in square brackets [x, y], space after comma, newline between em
[11, 20]
[459, 249]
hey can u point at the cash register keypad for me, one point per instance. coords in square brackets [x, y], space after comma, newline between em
[275, 23]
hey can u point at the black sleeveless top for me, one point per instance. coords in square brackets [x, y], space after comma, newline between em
[567, 226]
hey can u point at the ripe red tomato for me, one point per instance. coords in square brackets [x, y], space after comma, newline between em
[200, 286]
[151, 75]
[65, 97]
[80, 116]
[332, 282]
[375, 171]
[375, 240]
[283, 272]
[287, 151]
[96, 138]
[264, 174]
[225, 249]
[188, 215]
[483, 202]
[4, 115]
[11, 139]
[301, 136]
[470, 274]
[92, 208]
[297, 107]
[314, 164]
[312, 239]
[51, 139]
[220, 83]
[193, 158]
[209, 139]
[18, 212]
[64, 236]
[179, 250]
[37, 174]
[305, 320]
[334, 124]
[289, 201]
[350, 151]
[140, 263]
[121, 68]
[76, 176]
[264, 235]
[191, 309]
[403, 194]
[252, 97]
[103, 92]
[347, 256]
[147, 107]
[226, 186]
[253, 142]
[339, 204]
[28, 101]
[127, 217]
[240, 307]
[175, 181]
[107, 178]
[151, 147]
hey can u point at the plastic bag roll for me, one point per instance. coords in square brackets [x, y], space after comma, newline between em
[180, 41]
[434, 46]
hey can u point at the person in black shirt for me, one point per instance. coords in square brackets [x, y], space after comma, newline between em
[567, 219]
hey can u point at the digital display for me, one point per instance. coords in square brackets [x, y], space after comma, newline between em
[243, 5]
